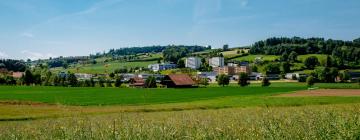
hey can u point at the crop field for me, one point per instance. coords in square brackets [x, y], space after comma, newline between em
[214, 112]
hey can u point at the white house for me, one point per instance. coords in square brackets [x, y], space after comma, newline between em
[216, 61]
[209, 75]
[193, 62]
[83, 76]
[159, 67]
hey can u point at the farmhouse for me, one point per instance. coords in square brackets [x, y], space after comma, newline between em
[136, 82]
[178, 81]
[17, 74]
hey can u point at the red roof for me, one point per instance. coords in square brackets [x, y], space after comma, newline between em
[17, 74]
[181, 79]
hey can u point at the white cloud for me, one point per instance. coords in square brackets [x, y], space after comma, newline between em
[36, 55]
[244, 3]
[3, 55]
[27, 35]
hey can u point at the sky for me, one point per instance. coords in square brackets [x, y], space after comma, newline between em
[39, 29]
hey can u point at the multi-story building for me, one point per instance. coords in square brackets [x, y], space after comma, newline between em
[216, 61]
[232, 69]
[159, 67]
[193, 62]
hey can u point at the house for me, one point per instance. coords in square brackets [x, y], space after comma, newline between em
[127, 76]
[354, 76]
[193, 62]
[17, 74]
[178, 81]
[160, 67]
[209, 75]
[136, 82]
[83, 76]
[273, 76]
[255, 76]
[216, 62]
[294, 76]
[158, 77]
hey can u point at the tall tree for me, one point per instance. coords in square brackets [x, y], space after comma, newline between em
[150, 82]
[243, 79]
[311, 62]
[223, 80]
[28, 78]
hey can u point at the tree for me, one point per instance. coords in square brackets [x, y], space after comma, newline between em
[254, 68]
[344, 76]
[204, 82]
[109, 83]
[28, 78]
[118, 81]
[243, 79]
[181, 63]
[293, 56]
[223, 80]
[272, 68]
[310, 81]
[226, 47]
[112, 75]
[72, 80]
[285, 67]
[328, 61]
[150, 82]
[284, 57]
[311, 62]
[265, 82]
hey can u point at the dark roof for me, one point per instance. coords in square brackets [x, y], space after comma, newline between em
[137, 81]
[181, 79]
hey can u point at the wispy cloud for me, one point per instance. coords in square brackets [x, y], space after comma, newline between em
[27, 35]
[36, 55]
[3, 55]
[90, 10]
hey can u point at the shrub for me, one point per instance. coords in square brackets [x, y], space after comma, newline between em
[310, 81]
[243, 79]
[150, 82]
[265, 82]
[223, 80]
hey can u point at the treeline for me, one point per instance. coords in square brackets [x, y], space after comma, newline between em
[13, 65]
[146, 49]
[346, 50]
[175, 53]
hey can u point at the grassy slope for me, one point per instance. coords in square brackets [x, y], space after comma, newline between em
[101, 67]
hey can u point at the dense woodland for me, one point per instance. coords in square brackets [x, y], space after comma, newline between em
[349, 51]
[12, 65]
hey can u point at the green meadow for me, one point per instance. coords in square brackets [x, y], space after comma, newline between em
[212, 112]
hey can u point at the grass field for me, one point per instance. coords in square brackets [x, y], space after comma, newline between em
[251, 58]
[231, 112]
[101, 68]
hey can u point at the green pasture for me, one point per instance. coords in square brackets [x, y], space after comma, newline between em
[231, 95]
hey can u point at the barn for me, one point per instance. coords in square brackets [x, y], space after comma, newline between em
[178, 81]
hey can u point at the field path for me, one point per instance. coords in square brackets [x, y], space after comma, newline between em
[324, 92]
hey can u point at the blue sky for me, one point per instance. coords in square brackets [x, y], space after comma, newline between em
[48, 28]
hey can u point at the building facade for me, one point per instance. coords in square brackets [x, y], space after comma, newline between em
[216, 62]
[232, 70]
[160, 67]
[193, 62]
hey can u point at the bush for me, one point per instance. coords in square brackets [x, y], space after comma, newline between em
[223, 80]
[310, 81]
[150, 82]
[243, 79]
[265, 82]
